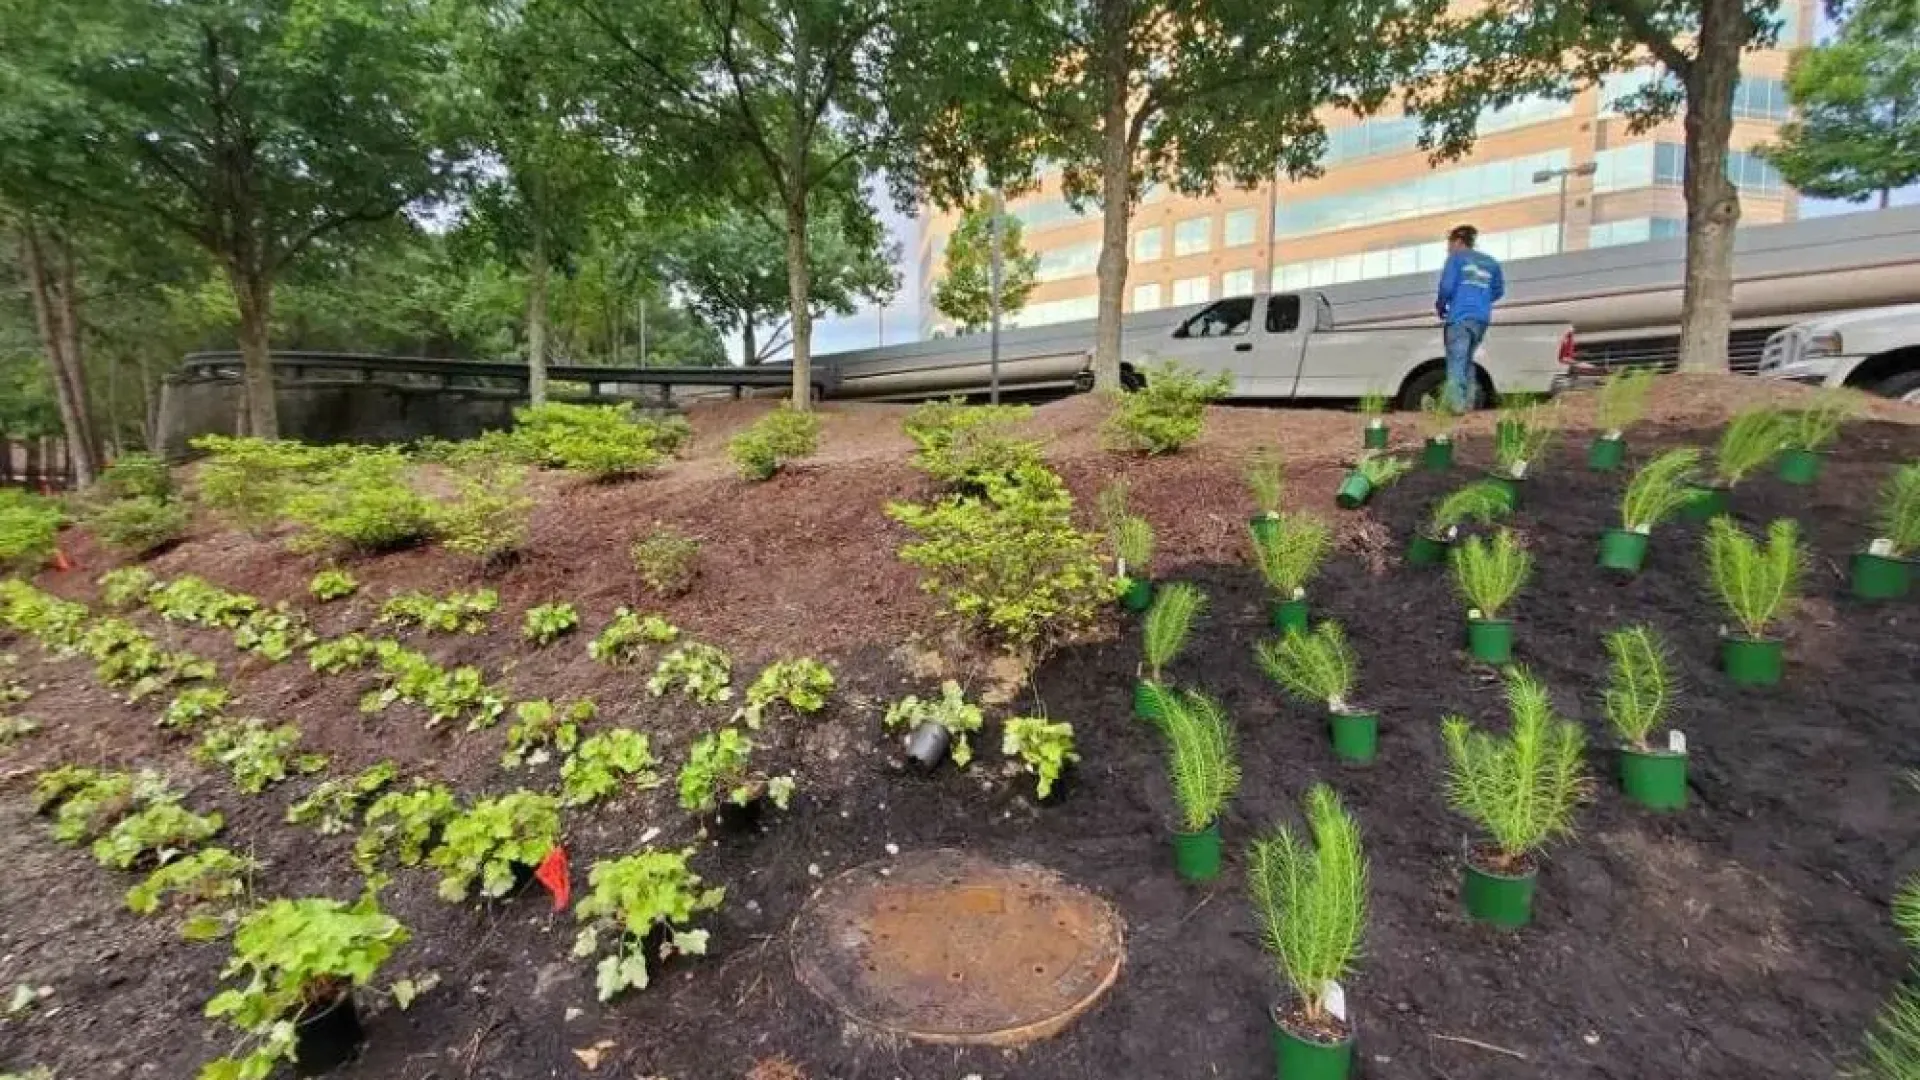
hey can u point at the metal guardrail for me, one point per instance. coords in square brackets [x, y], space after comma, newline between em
[315, 366]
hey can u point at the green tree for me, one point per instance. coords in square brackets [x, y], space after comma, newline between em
[965, 293]
[1501, 51]
[756, 101]
[252, 127]
[1858, 99]
[1120, 94]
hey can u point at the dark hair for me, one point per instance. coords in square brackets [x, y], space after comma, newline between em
[1466, 234]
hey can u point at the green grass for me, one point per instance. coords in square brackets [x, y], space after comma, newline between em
[1757, 582]
[1202, 762]
[1318, 666]
[1489, 573]
[1310, 893]
[1169, 624]
[1292, 554]
[1659, 489]
[1521, 788]
[1640, 691]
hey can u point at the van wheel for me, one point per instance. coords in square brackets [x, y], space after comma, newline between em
[1434, 380]
[1902, 387]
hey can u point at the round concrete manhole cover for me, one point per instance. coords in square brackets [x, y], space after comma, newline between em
[951, 948]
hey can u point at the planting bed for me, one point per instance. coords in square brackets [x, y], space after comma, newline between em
[1745, 937]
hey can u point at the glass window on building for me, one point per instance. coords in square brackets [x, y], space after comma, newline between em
[1146, 297]
[1038, 214]
[1425, 258]
[1056, 311]
[1761, 98]
[1236, 283]
[1622, 85]
[1526, 111]
[1623, 168]
[1146, 243]
[1635, 231]
[1237, 227]
[1193, 290]
[1435, 193]
[1193, 236]
[1074, 260]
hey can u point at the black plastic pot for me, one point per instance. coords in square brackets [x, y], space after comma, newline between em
[927, 745]
[328, 1038]
[744, 817]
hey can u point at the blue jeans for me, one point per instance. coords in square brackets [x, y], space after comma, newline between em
[1463, 339]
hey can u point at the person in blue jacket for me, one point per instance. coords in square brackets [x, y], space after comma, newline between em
[1470, 284]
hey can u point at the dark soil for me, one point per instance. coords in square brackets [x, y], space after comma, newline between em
[1745, 938]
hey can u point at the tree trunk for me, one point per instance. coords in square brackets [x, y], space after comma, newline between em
[1116, 184]
[749, 351]
[1713, 202]
[799, 289]
[57, 320]
[1886, 197]
[537, 322]
[253, 293]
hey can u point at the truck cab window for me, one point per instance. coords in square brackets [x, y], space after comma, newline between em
[1283, 313]
[1228, 318]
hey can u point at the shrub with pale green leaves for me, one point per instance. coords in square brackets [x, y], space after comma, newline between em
[490, 840]
[1043, 746]
[546, 623]
[962, 445]
[249, 481]
[1168, 413]
[154, 835]
[126, 587]
[256, 755]
[802, 685]
[488, 518]
[1758, 584]
[606, 442]
[629, 635]
[28, 528]
[540, 727]
[1310, 892]
[700, 671]
[367, 504]
[627, 900]
[950, 710]
[332, 584]
[781, 436]
[207, 888]
[603, 763]
[1521, 788]
[667, 561]
[138, 527]
[335, 805]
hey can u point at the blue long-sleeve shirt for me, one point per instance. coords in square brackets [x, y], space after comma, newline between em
[1469, 285]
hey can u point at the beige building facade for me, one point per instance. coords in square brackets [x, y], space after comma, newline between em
[1380, 208]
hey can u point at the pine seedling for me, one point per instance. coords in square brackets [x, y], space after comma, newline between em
[1382, 469]
[1623, 400]
[1266, 481]
[1523, 435]
[1482, 501]
[1640, 692]
[1133, 545]
[1290, 553]
[1659, 489]
[1818, 425]
[1311, 897]
[1169, 624]
[1521, 788]
[1489, 573]
[1112, 503]
[1437, 418]
[1750, 441]
[1315, 667]
[1757, 584]
[1899, 518]
[1892, 1050]
[1373, 404]
[1202, 764]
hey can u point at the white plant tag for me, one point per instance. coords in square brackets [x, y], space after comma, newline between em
[1336, 999]
[1453, 533]
[1376, 422]
[1519, 470]
[1299, 594]
[1882, 547]
[1443, 438]
[1676, 742]
[1473, 613]
[1614, 435]
[1120, 567]
[1643, 530]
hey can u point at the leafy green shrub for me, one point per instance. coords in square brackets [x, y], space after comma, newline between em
[667, 561]
[56, 624]
[332, 584]
[197, 602]
[1483, 501]
[487, 521]
[15, 728]
[138, 527]
[1311, 897]
[194, 706]
[547, 622]
[628, 635]
[1203, 765]
[256, 755]
[1751, 439]
[950, 710]
[28, 528]
[782, 435]
[136, 476]
[298, 957]
[1757, 584]
[366, 503]
[493, 838]
[55, 786]
[540, 726]
[1623, 399]
[1489, 573]
[126, 658]
[717, 768]
[348, 652]
[607, 442]
[1523, 788]
[249, 481]
[701, 671]
[802, 684]
[962, 445]
[1659, 490]
[1168, 626]
[87, 802]
[274, 634]
[126, 587]
[1289, 552]
[1319, 666]
[157, 833]
[633, 899]
[1522, 436]
[208, 887]
[1640, 692]
[334, 805]
[602, 763]
[1010, 562]
[403, 824]
[461, 613]
[1266, 481]
[1818, 425]
[1166, 414]
[1044, 747]
[1899, 518]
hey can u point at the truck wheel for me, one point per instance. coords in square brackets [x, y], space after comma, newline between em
[1418, 387]
[1902, 387]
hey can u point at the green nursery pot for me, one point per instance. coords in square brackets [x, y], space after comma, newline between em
[1289, 615]
[1623, 550]
[1146, 700]
[1424, 550]
[1303, 1057]
[1656, 779]
[1799, 466]
[1606, 454]
[1880, 577]
[1437, 456]
[1356, 736]
[1709, 501]
[1504, 900]
[1139, 595]
[1490, 640]
[1197, 855]
[1752, 661]
[1354, 491]
[1264, 528]
[1374, 436]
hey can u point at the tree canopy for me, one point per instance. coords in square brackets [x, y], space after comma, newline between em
[1857, 132]
[965, 291]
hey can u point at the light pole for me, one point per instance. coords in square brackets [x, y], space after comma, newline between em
[993, 305]
[1585, 168]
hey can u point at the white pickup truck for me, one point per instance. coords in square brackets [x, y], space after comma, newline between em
[1874, 349]
[1287, 345]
